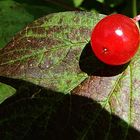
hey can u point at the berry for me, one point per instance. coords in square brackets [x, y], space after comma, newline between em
[115, 39]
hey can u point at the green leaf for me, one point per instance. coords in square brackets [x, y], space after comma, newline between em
[52, 57]
[77, 2]
[101, 1]
[6, 92]
[47, 52]
[16, 15]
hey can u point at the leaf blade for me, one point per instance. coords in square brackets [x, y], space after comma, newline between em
[59, 38]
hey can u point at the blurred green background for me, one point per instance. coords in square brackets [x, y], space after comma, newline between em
[16, 14]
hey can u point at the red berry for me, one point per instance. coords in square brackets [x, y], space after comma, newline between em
[115, 39]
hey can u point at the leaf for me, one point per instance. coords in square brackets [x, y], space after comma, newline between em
[47, 52]
[118, 93]
[6, 92]
[16, 15]
[53, 56]
[101, 1]
[44, 114]
[77, 2]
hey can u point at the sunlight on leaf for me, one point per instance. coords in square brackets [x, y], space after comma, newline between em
[77, 2]
[47, 52]
[6, 92]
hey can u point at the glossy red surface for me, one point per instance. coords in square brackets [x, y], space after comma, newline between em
[115, 39]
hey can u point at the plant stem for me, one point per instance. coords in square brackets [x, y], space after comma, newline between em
[134, 12]
[134, 7]
[137, 18]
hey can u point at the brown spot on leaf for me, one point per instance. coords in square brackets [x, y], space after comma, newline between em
[97, 88]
